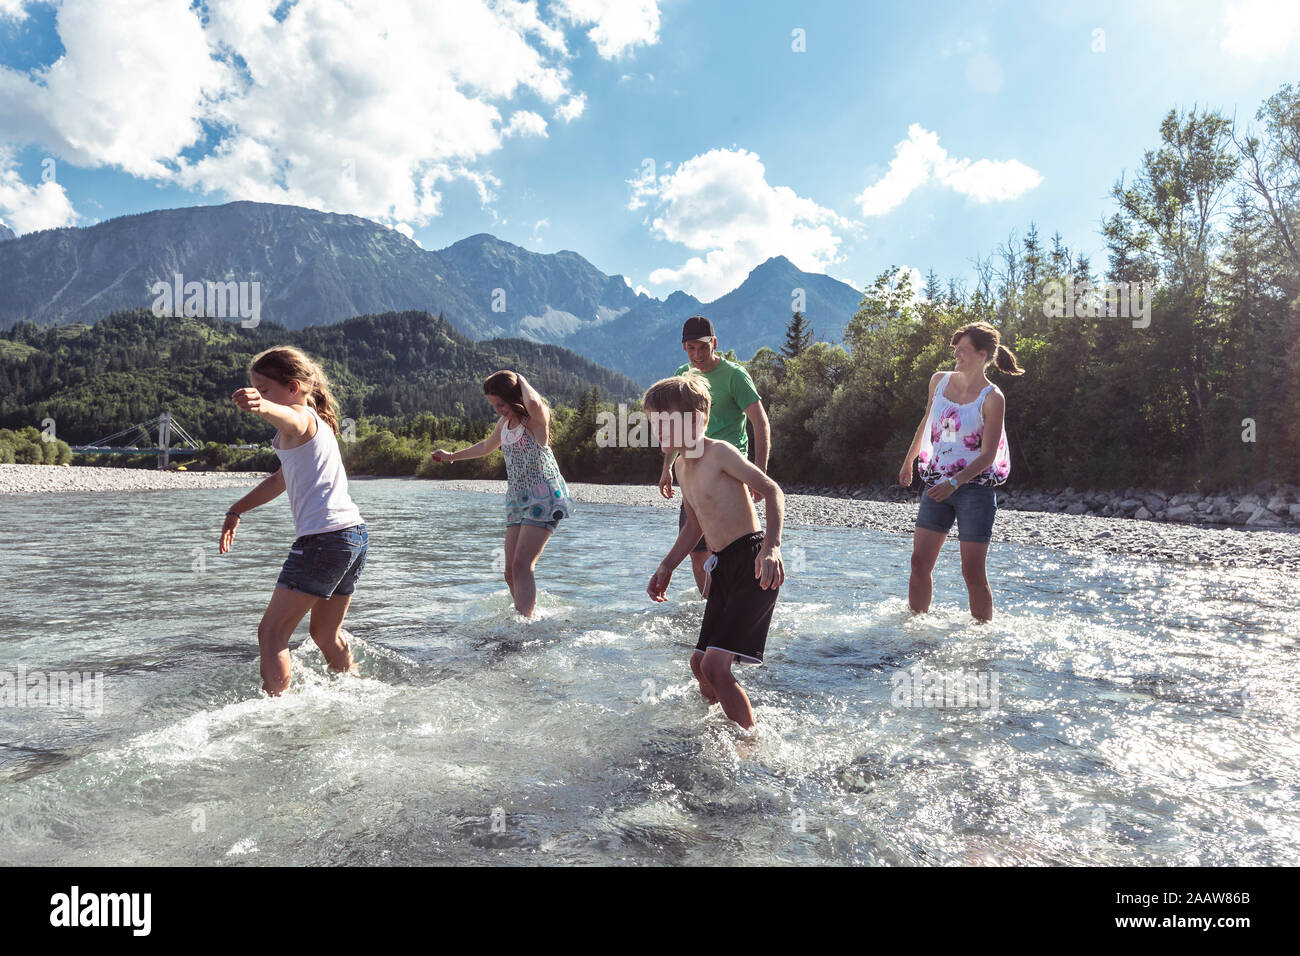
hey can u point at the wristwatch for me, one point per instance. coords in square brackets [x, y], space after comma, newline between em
[953, 481]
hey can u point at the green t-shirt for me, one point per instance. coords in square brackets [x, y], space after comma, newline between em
[731, 391]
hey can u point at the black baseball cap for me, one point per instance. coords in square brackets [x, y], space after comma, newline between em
[697, 327]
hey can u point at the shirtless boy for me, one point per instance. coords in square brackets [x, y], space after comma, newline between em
[744, 570]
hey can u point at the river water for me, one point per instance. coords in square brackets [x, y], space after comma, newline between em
[1117, 710]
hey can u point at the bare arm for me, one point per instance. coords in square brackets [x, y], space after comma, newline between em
[747, 473]
[267, 489]
[687, 538]
[666, 475]
[757, 414]
[538, 410]
[291, 420]
[905, 473]
[477, 450]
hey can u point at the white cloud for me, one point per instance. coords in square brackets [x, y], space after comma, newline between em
[525, 123]
[619, 24]
[646, 184]
[116, 96]
[26, 208]
[363, 108]
[537, 230]
[920, 159]
[13, 9]
[720, 204]
[1260, 29]
[571, 108]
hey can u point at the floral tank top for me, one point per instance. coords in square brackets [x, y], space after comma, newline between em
[952, 439]
[536, 488]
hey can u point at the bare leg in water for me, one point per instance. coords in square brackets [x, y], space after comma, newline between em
[524, 544]
[973, 555]
[926, 545]
[706, 689]
[716, 668]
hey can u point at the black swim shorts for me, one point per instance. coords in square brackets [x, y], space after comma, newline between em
[738, 611]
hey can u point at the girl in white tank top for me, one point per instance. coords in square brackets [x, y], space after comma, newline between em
[292, 393]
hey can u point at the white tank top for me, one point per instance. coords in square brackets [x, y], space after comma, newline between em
[316, 483]
[953, 437]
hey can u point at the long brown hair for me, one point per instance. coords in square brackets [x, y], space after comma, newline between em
[505, 386]
[984, 338]
[285, 364]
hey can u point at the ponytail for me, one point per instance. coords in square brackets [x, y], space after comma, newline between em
[984, 338]
[285, 364]
[322, 399]
[1006, 360]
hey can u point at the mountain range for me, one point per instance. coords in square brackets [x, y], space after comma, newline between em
[317, 268]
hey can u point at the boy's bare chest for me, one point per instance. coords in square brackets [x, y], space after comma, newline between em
[702, 484]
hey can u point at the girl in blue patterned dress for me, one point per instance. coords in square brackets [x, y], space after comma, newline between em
[537, 497]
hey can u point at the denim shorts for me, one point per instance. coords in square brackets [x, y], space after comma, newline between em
[326, 565]
[973, 507]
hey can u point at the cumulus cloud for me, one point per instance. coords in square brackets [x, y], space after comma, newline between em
[620, 25]
[1260, 29]
[364, 108]
[571, 108]
[116, 96]
[525, 123]
[13, 9]
[920, 159]
[721, 205]
[25, 208]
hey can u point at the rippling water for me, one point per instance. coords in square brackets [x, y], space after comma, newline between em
[1144, 713]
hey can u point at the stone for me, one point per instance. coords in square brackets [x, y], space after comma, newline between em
[1142, 514]
[1078, 508]
[1153, 503]
[1180, 512]
[1262, 516]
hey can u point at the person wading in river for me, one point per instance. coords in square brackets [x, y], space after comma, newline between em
[962, 448]
[734, 399]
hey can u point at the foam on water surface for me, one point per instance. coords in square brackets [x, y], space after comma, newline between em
[1144, 712]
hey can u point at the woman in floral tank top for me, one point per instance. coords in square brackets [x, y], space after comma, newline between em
[962, 451]
[537, 497]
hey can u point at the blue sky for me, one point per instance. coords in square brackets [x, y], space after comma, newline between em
[677, 143]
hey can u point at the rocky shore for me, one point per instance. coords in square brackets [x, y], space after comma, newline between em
[1267, 506]
[45, 479]
[1248, 529]
[1200, 546]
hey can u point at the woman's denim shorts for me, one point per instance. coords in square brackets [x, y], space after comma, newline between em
[973, 507]
[326, 565]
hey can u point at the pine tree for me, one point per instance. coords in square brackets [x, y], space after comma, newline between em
[798, 336]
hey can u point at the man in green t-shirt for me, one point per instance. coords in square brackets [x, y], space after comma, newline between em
[734, 399]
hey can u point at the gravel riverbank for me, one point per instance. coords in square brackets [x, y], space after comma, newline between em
[46, 479]
[1199, 546]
